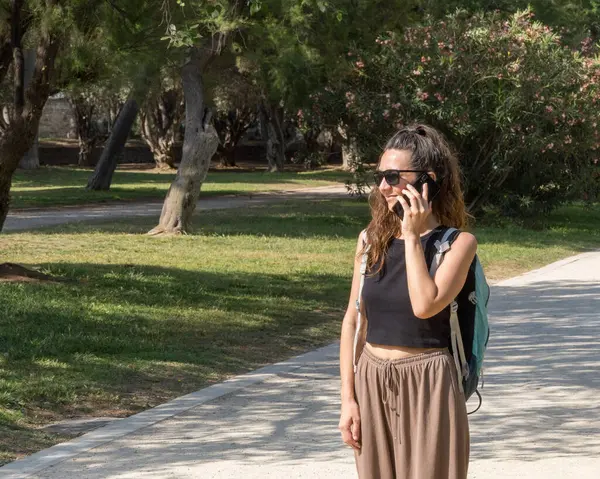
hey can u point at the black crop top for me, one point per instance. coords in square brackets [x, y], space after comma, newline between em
[390, 318]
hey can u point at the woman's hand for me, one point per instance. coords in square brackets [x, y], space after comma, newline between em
[417, 212]
[350, 424]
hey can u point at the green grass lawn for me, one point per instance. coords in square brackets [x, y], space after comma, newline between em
[137, 320]
[60, 186]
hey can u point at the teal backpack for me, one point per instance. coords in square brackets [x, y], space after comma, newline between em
[468, 319]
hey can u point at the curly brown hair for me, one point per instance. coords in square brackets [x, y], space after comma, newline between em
[429, 152]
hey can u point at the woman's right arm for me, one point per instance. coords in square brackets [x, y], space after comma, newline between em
[350, 416]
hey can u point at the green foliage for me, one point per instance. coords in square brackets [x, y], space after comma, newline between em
[519, 106]
[191, 22]
[574, 19]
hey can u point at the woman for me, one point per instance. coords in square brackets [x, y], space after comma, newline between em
[402, 410]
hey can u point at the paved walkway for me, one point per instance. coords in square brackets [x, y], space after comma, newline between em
[30, 219]
[540, 418]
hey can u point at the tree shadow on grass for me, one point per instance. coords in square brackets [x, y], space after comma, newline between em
[147, 334]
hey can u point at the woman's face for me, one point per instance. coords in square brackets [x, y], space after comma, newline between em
[396, 160]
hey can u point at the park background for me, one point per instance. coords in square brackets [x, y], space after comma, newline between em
[140, 101]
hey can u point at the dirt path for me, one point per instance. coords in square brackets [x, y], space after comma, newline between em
[22, 220]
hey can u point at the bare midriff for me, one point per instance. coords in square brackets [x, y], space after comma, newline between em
[396, 352]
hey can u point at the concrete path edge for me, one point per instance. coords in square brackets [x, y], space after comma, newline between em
[41, 460]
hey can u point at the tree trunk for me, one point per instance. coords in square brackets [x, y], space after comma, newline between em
[13, 145]
[199, 145]
[160, 118]
[164, 159]
[277, 123]
[349, 156]
[18, 136]
[268, 134]
[349, 150]
[228, 156]
[87, 133]
[31, 159]
[160, 143]
[230, 128]
[18, 57]
[102, 176]
[86, 149]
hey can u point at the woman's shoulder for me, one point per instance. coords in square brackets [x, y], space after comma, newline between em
[465, 241]
[460, 233]
[461, 240]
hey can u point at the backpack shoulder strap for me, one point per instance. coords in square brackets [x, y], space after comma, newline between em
[442, 246]
[363, 272]
[363, 268]
[458, 351]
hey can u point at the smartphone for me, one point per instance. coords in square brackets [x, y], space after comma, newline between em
[432, 187]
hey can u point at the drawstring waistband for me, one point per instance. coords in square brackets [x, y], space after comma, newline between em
[409, 360]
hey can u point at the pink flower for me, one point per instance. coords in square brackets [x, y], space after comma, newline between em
[549, 109]
[550, 146]
[386, 114]
[395, 106]
[360, 64]
[439, 97]
[416, 72]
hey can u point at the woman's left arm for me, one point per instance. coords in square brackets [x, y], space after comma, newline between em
[429, 296]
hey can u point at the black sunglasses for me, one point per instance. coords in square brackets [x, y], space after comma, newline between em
[392, 177]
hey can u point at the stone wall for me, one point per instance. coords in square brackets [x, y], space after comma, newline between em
[57, 119]
[67, 153]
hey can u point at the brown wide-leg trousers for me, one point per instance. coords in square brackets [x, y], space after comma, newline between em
[413, 418]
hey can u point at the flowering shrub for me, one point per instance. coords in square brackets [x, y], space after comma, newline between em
[520, 108]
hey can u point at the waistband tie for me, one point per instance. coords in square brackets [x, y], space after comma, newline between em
[391, 386]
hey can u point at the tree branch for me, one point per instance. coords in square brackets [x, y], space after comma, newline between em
[19, 78]
[121, 11]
